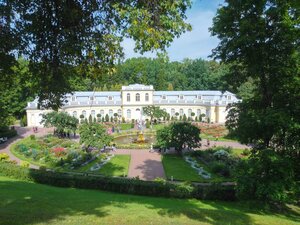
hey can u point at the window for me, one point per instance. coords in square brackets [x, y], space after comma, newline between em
[128, 113]
[180, 97]
[190, 112]
[75, 114]
[137, 97]
[181, 112]
[93, 113]
[102, 112]
[199, 97]
[164, 97]
[128, 97]
[110, 98]
[92, 98]
[229, 97]
[84, 113]
[73, 98]
[198, 112]
[111, 113]
[147, 97]
[172, 112]
[119, 112]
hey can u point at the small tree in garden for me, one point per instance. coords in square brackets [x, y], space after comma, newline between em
[184, 117]
[177, 114]
[179, 135]
[94, 135]
[98, 117]
[154, 112]
[111, 119]
[106, 118]
[81, 118]
[192, 115]
[61, 121]
[90, 119]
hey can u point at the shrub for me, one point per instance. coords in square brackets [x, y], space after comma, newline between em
[246, 152]
[6, 132]
[266, 176]
[220, 168]
[4, 157]
[32, 137]
[121, 185]
[24, 164]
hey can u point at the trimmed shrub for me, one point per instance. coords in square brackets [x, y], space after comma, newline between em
[121, 185]
[6, 132]
[4, 157]
[24, 164]
[220, 168]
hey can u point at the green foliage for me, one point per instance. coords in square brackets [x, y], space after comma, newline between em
[24, 164]
[4, 157]
[179, 135]
[106, 118]
[266, 176]
[94, 135]
[6, 132]
[90, 119]
[154, 112]
[62, 121]
[121, 185]
[23, 121]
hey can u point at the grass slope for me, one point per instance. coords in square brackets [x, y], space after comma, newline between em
[28, 203]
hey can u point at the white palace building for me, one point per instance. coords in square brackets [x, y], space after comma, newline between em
[129, 102]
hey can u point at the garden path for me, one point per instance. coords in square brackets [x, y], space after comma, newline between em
[22, 133]
[144, 164]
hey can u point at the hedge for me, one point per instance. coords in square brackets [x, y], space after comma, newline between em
[120, 185]
[6, 132]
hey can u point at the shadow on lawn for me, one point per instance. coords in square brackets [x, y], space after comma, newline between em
[29, 203]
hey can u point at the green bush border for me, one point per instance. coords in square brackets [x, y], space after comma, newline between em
[120, 185]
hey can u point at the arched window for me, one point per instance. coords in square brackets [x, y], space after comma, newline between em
[198, 112]
[172, 112]
[110, 98]
[137, 97]
[102, 112]
[128, 113]
[73, 98]
[147, 97]
[93, 113]
[190, 112]
[75, 114]
[92, 98]
[181, 112]
[128, 97]
[119, 112]
[84, 113]
[111, 113]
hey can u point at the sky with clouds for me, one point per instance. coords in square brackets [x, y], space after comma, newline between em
[195, 44]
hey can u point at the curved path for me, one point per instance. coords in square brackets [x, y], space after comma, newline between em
[22, 133]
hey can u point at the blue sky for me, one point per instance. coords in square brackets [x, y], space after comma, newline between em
[195, 44]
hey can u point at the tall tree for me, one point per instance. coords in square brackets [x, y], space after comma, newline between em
[57, 35]
[260, 40]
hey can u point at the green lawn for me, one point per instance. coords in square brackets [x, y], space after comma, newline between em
[30, 203]
[125, 126]
[117, 166]
[178, 168]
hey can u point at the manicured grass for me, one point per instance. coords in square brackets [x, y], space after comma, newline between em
[158, 126]
[30, 203]
[175, 166]
[125, 126]
[117, 166]
[212, 138]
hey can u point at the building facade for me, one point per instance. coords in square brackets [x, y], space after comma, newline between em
[129, 103]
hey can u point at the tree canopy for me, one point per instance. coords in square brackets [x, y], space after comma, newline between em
[94, 135]
[66, 38]
[180, 135]
[154, 112]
